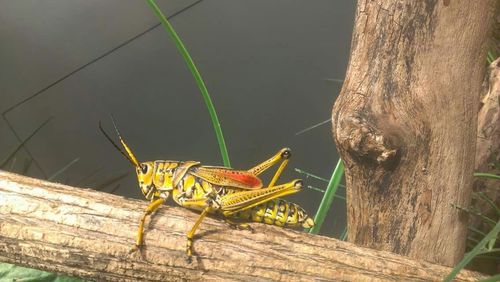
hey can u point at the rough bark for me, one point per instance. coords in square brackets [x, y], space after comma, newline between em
[88, 234]
[405, 123]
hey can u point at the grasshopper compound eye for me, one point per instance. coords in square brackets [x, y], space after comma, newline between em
[286, 153]
[144, 168]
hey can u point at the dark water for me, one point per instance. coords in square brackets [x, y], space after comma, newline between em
[266, 65]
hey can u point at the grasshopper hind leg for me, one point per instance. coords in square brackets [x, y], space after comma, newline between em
[238, 225]
[283, 155]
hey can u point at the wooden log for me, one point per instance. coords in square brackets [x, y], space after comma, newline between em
[86, 233]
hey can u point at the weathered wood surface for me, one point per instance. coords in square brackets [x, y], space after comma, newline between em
[88, 234]
[405, 123]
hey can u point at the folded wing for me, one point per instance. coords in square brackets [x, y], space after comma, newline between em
[224, 176]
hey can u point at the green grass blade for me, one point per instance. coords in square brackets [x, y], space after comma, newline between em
[470, 255]
[10, 272]
[308, 174]
[316, 189]
[487, 175]
[201, 84]
[27, 165]
[13, 153]
[473, 240]
[488, 251]
[343, 236]
[488, 200]
[490, 57]
[483, 217]
[323, 191]
[113, 190]
[327, 200]
[494, 278]
[12, 164]
[475, 230]
[59, 172]
[313, 126]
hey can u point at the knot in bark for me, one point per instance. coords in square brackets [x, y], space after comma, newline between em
[364, 142]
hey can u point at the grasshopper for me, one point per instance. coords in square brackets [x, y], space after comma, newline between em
[236, 195]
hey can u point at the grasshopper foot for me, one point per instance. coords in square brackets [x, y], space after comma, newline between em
[135, 248]
[189, 250]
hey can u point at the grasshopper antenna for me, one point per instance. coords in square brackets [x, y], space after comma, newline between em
[129, 156]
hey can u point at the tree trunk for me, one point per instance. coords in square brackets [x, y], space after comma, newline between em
[405, 123]
[88, 234]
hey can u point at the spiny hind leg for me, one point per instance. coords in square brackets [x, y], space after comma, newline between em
[283, 155]
[149, 210]
[240, 201]
[239, 225]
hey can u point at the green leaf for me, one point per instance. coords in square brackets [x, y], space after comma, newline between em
[14, 152]
[10, 272]
[308, 174]
[494, 278]
[487, 175]
[199, 80]
[327, 200]
[478, 249]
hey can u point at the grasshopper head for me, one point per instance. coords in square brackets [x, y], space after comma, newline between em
[145, 177]
[144, 170]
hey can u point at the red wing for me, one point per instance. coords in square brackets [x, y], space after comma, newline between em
[224, 176]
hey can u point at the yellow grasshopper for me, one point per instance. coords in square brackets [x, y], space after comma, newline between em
[237, 195]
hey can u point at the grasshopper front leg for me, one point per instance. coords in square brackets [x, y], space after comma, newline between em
[149, 210]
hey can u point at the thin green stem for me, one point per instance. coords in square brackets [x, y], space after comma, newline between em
[494, 278]
[323, 191]
[66, 167]
[199, 80]
[327, 200]
[487, 199]
[488, 175]
[495, 250]
[21, 145]
[343, 236]
[316, 189]
[481, 216]
[474, 240]
[473, 229]
[490, 57]
[308, 174]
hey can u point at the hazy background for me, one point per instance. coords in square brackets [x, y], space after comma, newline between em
[266, 65]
